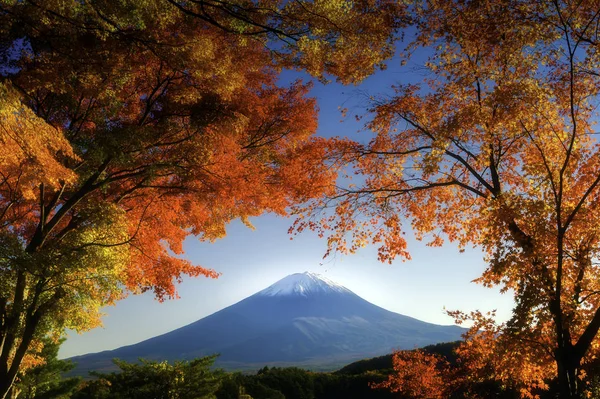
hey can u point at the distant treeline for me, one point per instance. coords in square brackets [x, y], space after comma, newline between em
[296, 383]
[198, 379]
[195, 379]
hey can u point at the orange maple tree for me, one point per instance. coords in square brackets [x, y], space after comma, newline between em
[485, 364]
[418, 375]
[495, 149]
[126, 126]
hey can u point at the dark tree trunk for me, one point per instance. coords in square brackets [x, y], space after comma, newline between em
[6, 383]
[8, 371]
[568, 364]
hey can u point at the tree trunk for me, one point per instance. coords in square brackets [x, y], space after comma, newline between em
[568, 382]
[32, 320]
[6, 383]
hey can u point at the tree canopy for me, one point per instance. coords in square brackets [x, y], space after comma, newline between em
[158, 380]
[496, 149]
[127, 126]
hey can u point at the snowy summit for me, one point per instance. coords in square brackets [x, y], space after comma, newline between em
[304, 284]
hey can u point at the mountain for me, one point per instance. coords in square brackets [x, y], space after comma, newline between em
[303, 319]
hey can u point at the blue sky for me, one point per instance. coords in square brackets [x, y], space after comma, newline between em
[250, 260]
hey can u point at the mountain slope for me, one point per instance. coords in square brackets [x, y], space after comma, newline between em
[303, 318]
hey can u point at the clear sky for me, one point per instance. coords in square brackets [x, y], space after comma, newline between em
[250, 260]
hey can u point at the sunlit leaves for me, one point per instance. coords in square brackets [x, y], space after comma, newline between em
[30, 148]
[493, 149]
[129, 125]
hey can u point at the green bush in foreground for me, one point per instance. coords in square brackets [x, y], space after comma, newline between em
[156, 380]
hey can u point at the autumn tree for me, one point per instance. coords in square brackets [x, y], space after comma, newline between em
[483, 366]
[127, 126]
[418, 375]
[46, 380]
[495, 149]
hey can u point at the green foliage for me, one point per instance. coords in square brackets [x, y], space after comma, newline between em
[380, 363]
[237, 386]
[230, 387]
[156, 380]
[195, 380]
[445, 349]
[45, 381]
[293, 382]
[290, 383]
[335, 386]
[255, 389]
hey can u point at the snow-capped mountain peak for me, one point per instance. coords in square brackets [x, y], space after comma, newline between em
[303, 284]
[303, 318]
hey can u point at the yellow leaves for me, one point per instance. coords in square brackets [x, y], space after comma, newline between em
[314, 50]
[335, 9]
[32, 150]
[94, 260]
[343, 38]
[33, 358]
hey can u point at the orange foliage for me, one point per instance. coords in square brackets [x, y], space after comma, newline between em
[494, 149]
[418, 375]
[127, 126]
[487, 363]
